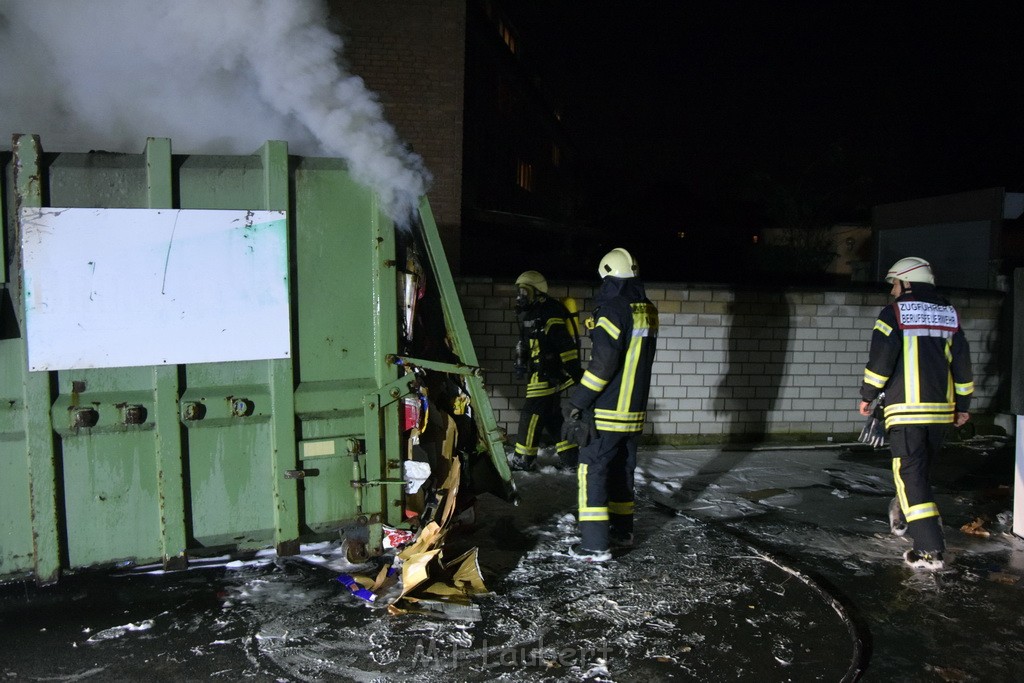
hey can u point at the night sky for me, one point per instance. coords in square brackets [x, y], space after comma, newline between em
[724, 116]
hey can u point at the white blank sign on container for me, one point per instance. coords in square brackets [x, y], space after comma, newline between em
[136, 287]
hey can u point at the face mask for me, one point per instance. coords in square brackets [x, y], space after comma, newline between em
[524, 298]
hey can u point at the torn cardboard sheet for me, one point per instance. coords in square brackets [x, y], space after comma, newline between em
[976, 528]
[419, 580]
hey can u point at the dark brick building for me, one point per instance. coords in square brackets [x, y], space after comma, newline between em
[454, 83]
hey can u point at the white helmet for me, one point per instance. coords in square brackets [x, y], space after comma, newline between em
[618, 263]
[532, 278]
[911, 269]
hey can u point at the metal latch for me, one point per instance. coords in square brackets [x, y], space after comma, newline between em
[378, 482]
[301, 474]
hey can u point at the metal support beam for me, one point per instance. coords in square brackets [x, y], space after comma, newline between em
[494, 439]
[166, 392]
[28, 192]
[282, 383]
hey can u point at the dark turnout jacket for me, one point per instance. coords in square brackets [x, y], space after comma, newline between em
[920, 358]
[624, 332]
[554, 353]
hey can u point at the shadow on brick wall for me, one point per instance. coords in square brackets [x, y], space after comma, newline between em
[755, 364]
[1006, 338]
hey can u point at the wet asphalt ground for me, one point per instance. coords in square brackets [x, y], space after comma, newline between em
[750, 565]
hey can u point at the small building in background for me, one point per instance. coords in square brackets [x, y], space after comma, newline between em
[838, 253]
[972, 239]
[853, 251]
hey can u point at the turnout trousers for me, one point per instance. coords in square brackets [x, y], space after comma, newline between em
[913, 450]
[605, 487]
[543, 414]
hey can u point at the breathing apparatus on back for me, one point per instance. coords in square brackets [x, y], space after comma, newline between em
[531, 288]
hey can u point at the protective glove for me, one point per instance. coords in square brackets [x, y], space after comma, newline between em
[873, 432]
[579, 427]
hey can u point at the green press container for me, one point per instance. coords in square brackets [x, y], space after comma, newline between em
[127, 435]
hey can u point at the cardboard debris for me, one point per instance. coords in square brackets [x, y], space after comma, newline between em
[976, 528]
[457, 579]
[429, 584]
[441, 608]
[1004, 578]
[428, 537]
[415, 570]
[382, 578]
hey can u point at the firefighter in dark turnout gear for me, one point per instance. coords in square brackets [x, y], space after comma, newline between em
[548, 355]
[920, 358]
[613, 395]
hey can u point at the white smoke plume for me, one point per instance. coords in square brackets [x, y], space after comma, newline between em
[215, 76]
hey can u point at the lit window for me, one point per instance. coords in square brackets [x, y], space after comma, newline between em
[506, 35]
[755, 239]
[524, 177]
[681, 235]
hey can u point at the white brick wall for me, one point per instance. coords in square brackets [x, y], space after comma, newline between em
[735, 363]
